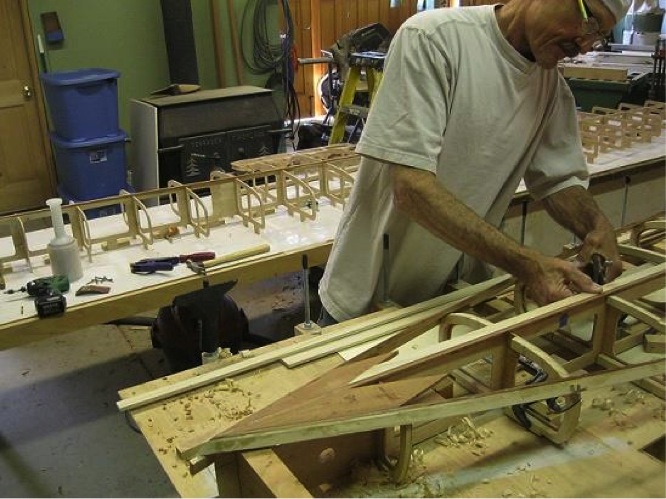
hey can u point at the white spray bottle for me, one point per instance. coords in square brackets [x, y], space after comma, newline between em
[63, 249]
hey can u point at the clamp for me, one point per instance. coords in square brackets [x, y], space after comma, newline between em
[538, 376]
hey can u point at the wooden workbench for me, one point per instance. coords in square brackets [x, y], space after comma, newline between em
[133, 294]
[616, 450]
[605, 457]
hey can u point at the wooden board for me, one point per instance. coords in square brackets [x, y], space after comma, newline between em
[594, 73]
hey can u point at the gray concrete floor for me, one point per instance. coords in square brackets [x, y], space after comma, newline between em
[61, 434]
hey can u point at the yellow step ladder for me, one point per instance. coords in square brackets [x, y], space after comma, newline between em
[372, 63]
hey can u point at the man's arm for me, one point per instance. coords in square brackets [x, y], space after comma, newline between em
[418, 194]
[574, 208]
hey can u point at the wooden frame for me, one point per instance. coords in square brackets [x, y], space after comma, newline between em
[504, 341]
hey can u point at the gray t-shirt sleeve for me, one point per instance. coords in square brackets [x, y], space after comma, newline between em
[559, 161]
[409, 114]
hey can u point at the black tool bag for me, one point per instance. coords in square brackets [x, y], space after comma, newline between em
[176, 330]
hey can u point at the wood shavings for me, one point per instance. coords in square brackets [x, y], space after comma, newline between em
[369, 480]
[465, 433]
[622, 421]
[167, 233]
[605, 404]
[634, 396]
[535, 491]
[235, 413]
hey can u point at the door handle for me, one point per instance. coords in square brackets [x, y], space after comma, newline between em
[27, 92]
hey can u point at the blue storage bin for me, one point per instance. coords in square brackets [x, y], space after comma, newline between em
[93, 168]
[83, 103]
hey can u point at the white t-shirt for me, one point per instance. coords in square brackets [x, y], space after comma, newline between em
[457, 100]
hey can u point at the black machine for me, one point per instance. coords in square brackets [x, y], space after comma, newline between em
[184, 137]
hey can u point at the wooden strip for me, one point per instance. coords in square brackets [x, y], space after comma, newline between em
[400, 320]
[330, 334]
[417, 414]
[532, 320]
[643, 254]
[594, 73]
[650, 385]
[237, 255]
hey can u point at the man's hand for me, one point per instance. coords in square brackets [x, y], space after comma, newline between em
[575, 209]
[555, 279]
[603, 243]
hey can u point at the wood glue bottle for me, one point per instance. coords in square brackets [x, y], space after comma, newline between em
[63, 248]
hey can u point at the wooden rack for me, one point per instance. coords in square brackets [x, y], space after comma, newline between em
[606, 129]
[298, 186]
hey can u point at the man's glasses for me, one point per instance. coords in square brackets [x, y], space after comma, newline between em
[590, 23]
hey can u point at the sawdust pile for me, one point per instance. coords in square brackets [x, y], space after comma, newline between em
[372, 479]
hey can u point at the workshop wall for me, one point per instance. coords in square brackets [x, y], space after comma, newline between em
[128, 36]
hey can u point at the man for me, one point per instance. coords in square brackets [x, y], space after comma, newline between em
[471, 102]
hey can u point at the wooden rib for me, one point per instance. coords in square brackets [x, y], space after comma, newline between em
[643, 254]
[640, 313]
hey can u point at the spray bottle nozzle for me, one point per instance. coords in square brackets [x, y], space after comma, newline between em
[61, 236]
